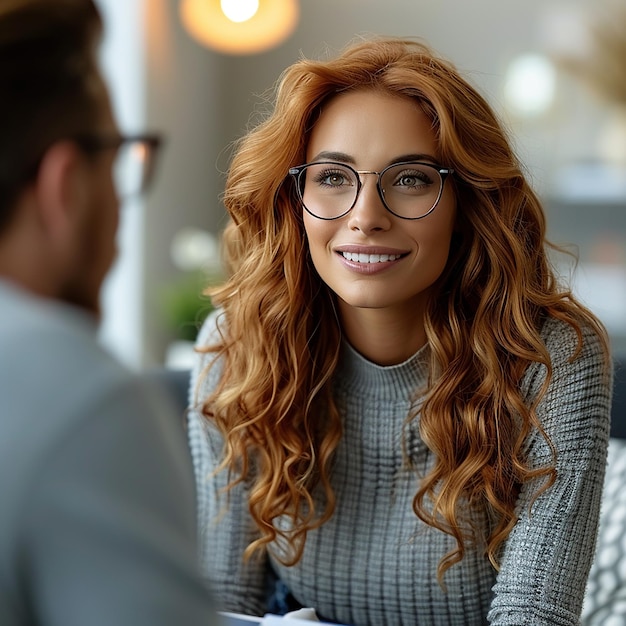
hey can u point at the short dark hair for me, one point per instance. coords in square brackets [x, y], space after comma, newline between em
[49, 84]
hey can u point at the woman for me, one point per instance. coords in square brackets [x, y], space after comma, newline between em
[398, 408]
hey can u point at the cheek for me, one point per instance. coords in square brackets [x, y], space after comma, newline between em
[318, 234]
[444, 226]
[434, 243]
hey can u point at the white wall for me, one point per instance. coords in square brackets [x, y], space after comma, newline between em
[123, 60]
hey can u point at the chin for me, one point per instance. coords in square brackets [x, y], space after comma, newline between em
[368, 296]
[363, 302]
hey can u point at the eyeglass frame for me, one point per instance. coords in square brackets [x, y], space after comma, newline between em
[94, 142]
[443, 172]
[91, 142]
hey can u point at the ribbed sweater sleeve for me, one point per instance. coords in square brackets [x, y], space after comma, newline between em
[548, 554]
[224, 523]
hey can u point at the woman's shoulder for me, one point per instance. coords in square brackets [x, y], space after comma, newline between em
[564, 340]
[212, 329]
[575, 407]
[577, 353]
[206, 368]
[572, 350]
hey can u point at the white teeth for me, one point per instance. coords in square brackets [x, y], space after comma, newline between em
[369, 258]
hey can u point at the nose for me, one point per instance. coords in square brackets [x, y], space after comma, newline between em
[369, 213]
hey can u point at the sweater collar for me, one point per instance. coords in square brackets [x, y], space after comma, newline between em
[363, 376]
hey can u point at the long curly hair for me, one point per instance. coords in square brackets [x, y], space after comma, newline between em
[280, 344]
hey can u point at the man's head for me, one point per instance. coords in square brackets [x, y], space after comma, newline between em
[58, 141]
[50, 84]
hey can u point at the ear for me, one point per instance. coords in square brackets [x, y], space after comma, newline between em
[60, 188]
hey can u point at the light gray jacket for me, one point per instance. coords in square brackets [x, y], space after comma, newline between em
[97, 522]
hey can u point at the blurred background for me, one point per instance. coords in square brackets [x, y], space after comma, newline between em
[554, 71]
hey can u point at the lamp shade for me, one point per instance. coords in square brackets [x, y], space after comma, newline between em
[272, 23]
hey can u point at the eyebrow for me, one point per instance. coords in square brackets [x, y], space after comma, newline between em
[342, 157]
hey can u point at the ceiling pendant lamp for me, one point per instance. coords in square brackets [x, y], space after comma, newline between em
[239, 27]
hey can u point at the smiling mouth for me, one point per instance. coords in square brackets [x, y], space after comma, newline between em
[370, 258]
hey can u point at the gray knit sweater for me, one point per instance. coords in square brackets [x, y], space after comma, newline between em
[374, 562]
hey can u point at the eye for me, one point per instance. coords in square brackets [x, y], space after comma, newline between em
[332, 178]
[412, 179]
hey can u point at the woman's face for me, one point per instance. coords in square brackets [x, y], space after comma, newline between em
[370, 258]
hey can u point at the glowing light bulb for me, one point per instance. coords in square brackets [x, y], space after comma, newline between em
[267, 23]
[239, 10]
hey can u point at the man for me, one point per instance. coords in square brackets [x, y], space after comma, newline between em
[97, 520]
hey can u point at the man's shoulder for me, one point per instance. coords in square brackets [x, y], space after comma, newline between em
[29, 323]
[54, 374]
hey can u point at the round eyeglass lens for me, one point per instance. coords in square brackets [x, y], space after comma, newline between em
[411, 190]
[328, 190]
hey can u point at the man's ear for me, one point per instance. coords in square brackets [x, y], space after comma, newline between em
[60, 187]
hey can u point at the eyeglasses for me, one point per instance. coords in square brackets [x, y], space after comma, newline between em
[329, 190]
[134, 160]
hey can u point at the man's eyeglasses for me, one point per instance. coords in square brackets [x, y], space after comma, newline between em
[134, 160]
[329, 190]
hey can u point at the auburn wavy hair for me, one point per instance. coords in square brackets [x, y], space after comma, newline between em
[280, 343]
